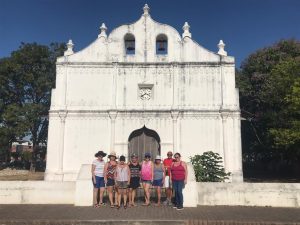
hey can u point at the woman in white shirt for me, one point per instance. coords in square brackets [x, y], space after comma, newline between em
[122, 181]
[98, 178]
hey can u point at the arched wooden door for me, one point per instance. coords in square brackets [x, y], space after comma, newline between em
[144, 140]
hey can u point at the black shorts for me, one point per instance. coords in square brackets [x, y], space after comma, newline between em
[110, 182]
[134, 182]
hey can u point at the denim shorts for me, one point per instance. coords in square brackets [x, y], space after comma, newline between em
[99, 182]
[110, 182]
[147, 181]
[157, 183]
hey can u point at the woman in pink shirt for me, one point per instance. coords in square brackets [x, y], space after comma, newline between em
[147, 177]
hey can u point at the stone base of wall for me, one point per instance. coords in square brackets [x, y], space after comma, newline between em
[36, 192]
[249, 194]
[245, 194]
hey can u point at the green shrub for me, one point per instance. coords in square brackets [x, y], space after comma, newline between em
[208, 167]
[27, 156]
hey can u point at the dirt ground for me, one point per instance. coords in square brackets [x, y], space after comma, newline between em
[20, 175]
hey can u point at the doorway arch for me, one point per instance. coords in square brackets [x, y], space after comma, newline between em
[144, 140]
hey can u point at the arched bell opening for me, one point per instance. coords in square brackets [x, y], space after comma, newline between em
[161, 44]
[144, 140]
[129, 41]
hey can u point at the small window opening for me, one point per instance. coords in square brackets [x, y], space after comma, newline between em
[161, 45]
[129, 44]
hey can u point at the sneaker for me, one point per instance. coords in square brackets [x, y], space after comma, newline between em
[170, 203]
[166, 202]
[174, 206]
[179, 208]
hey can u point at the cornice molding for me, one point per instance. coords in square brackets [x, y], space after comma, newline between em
[143, 64]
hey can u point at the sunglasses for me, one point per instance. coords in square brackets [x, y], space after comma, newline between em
[147, 157]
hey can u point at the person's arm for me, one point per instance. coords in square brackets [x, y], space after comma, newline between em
[164, 174]
[93, 173]
[186, 172]
[129, 174]
[170, 171]
[140, 172]
[152, 169]
[105, 172]
[116, 172]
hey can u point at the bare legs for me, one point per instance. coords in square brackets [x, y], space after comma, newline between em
[110, 194]
[169, 194]
[122, 191]
[158, 195]
[95, 195]
[116, 196]
[132, 193]
[146, 187]
[101, 195]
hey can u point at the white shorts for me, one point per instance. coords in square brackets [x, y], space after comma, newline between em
[167, 183]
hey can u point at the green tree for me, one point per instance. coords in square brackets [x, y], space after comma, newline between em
[26, 80]
[266, 81]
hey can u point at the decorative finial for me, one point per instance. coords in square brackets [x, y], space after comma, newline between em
[221, 46]
[186, 30]
[70, 46]
[146, 9]
[103, 30]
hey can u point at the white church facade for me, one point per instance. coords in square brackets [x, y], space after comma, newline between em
[143, 87]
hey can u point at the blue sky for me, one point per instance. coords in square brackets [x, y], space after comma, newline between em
[244, 25]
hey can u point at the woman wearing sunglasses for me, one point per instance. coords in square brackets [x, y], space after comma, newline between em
[179, 178]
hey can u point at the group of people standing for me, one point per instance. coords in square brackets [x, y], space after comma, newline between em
[122, 179]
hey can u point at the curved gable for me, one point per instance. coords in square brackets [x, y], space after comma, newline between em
[111, 48]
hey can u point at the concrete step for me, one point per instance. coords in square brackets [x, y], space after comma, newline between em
[141, 222]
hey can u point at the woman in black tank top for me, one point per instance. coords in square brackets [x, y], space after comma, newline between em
[135, 171]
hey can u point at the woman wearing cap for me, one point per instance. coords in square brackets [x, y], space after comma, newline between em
[135, 176]
[122, 181]
[168, 184]
[159, 177]
[110, 169]
[98, 178]
[179, 174]
[147, 177]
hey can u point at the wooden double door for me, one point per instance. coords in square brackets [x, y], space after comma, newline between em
[144, 140]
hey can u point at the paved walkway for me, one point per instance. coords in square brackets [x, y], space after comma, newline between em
[68, 214]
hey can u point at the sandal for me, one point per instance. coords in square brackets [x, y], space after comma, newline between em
[102, 204]
[112, 206]
[96, 206]
[118, 207]
[145, 204]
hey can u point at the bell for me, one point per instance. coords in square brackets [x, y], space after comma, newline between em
[130, 45]
[161, 45]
